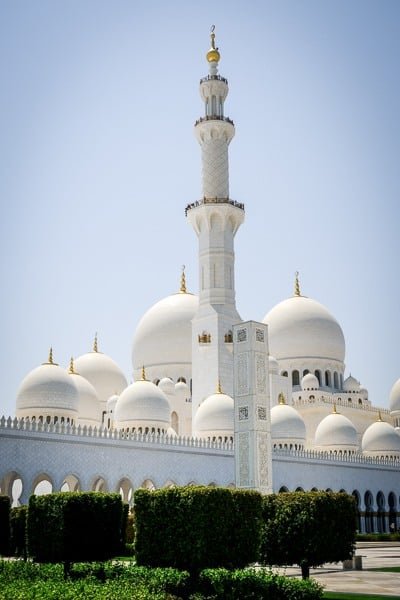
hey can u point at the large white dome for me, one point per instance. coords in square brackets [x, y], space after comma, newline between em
[48, 391]
[302, 327]
[142, 405]
[381, 439]
[103, 373]
[337, 433]
[287, 426]
[394, 398]
[164, 333]
[215, 417]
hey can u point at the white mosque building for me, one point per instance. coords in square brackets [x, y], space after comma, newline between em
[275, 414]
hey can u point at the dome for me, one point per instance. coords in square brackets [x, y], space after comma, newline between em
[181, 388]
[287, 426]
[47, 391]
[301, 327]
[309, 382]
[381, 439]
[215, 417]
[273, 364]
[102, 372]
[111, 402]
[164, 333]
[167, 385]
[336, 432]
[142, 405]
[394, 398]
[89, 409]
[351, 384]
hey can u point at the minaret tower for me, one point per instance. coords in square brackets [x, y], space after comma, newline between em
[215, 219]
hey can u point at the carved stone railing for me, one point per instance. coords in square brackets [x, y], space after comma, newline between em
[214, 118]
[214, 201]
[213, 78]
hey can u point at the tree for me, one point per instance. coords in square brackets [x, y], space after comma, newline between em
[307, 529]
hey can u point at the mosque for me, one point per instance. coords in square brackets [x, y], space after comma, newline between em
[279, 415]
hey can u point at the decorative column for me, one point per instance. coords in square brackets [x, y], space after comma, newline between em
[253, 448]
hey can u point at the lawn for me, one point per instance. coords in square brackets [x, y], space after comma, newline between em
[347, 596]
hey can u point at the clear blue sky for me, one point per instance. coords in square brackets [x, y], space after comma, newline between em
[98, 160]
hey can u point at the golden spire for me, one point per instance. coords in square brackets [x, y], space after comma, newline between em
[213, 55]
[95, 346]
[183, 281]
[71, 366]
[219, 388]
[334, 411]
[379, 416]
[281, 399]
[297, 285]
[50, 361]
[143, 374]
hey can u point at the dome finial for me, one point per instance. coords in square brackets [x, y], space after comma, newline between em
[281, 399]
[50, 361]
[334, 411]
[143, 374]
[95, 347]
[379, 416]
[219, 388]
[71, 366]
[297, 285]
[213, 55]
[183, 281]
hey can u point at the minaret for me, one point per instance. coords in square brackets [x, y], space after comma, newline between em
[215, 219]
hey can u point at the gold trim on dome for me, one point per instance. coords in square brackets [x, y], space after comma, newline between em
[213, 55]
[182, 289]
[297, 285]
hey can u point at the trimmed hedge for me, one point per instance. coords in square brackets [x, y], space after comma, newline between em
[18, 518]
[251, 584]
[308, 529]
[74, 526]
[192, 528]
[5, 507]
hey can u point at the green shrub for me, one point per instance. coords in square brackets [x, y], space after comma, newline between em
[254, 584]
[5, 507]
[192, 528]
[307, 529]
[18, 531]
[378, 537]
[74, 526]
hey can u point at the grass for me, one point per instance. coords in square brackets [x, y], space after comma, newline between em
[347, 596]
[386, 569]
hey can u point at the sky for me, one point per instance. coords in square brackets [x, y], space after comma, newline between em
[98, 161]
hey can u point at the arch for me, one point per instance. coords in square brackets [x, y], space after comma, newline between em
[317, 374]
[299, 489]
[380, 515]
[328, 379]
[357, 499]
[169, 484]
[71, 483]
[99, 484]
[392, 512]
[12, 486]
[328, 490]
[285, 374]
[125, 489]
[295, 377]
[175, 422]
[305, 372]
[335, 380]
[42, 484]
[212, 484]
[283, 490]
[314, 489]
[148, 485]
[181, 380]
[369, 515]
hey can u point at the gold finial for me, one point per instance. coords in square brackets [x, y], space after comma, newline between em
[143, 374]
[71, 366]
[50, 361]
[297, 285]
[213, 55]
[183, 281]
[334, 411]
[95, 346]
[219, 388]
[281, 399]
[379, 416]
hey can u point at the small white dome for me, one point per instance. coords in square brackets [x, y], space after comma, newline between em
[111, 402]
[103, 373]
[351, 384]
[142, 404]
[215, 417]
[182, 388]
[167, 385]
[301, 327]
[89, 409]
[381, 439]
[47, 391]
[309, 382]
[394, 398]
[164, 333]
[336, 432]
[364, 392]
[287, 426]
[273, 364]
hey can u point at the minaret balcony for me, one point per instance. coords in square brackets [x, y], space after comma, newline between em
[214, 118]
[213, 78]
[214, 201]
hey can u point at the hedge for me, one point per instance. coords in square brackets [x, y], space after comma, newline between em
[192, 528]
[307, 529]
[18, 517]
[74, 526]
[251, 584]
[5, 507]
